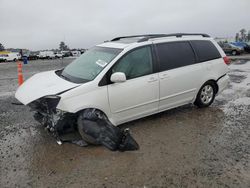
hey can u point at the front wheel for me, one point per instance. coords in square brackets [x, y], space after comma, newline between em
[81, 123]
[206, 95]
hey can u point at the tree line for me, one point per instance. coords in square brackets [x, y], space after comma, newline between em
[1, 47]
[242, 36]
[62, 46]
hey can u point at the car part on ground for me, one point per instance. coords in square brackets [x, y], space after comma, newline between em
[95, 128]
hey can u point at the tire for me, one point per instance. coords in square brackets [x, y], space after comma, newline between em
[85, 136]
[234, 52]
[206, 95]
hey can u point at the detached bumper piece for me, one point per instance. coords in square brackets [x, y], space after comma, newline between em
[96, 129]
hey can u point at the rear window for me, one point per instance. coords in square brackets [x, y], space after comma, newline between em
[174, 54]
[205, 50]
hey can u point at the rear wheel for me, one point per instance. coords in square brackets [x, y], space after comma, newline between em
[206, 95]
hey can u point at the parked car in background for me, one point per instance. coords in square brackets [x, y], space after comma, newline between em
[46, 55]
[33, 56]
[76, 53]
[30, 55]
[10, 56]
[82, 51]
[59, 55]
[231, 49]
[3, 57]
[66, 53]
[243, 45]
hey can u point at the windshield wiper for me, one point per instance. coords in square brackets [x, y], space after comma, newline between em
[64, 77]
[59, 73]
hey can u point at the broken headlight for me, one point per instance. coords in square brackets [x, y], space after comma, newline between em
[52, 101]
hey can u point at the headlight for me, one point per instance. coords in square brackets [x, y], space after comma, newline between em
[52, 101]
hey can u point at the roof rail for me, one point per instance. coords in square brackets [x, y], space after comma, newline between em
[150, 36]
[135, 36]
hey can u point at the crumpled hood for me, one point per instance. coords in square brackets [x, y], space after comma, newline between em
[42, 84]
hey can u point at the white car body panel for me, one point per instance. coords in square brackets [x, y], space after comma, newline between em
[134, 98]
[223, 83]
[40, 85]
[176, 88]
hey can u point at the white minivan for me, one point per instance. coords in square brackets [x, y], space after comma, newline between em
[128, 78]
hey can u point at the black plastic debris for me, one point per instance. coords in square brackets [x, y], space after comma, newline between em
[80, 143]
[96, 129]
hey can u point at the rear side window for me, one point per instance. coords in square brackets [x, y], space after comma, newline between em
[175, 54]
[205, 50]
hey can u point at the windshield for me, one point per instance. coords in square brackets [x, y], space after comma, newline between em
[89, 64]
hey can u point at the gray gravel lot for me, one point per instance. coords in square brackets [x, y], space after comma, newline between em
[183, 147]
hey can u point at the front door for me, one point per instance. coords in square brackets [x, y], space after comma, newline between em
[138, 96]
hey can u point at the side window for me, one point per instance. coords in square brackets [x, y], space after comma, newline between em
[175, 54]
[136, 63]
[205, 50]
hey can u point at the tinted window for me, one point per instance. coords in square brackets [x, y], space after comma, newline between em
[205, 50]
[175, 54]
[136, 63]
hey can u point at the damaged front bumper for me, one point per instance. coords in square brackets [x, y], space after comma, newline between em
[53, 119]
[91, 124]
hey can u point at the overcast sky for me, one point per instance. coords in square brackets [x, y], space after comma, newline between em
[42, 24]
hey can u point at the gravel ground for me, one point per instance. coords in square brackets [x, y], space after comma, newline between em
[183, 147]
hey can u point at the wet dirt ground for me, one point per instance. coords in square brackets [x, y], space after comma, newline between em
[183, 147]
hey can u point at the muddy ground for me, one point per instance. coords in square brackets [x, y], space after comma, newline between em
[183, 147]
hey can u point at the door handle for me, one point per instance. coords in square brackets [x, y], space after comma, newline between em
[152, 79]
[164, 75]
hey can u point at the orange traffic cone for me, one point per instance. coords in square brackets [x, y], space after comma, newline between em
[19, 73]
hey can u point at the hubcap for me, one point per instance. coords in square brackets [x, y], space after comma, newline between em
[207, 93]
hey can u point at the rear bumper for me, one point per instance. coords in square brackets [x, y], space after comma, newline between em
[223, 83]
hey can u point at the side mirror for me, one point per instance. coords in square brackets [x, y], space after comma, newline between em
[118, 77]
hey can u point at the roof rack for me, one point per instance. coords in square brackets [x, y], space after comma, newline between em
[147, 37]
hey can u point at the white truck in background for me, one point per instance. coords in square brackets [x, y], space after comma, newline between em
[12, 56]
[47, 55]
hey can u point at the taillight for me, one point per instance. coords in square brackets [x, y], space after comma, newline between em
[226, 60]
